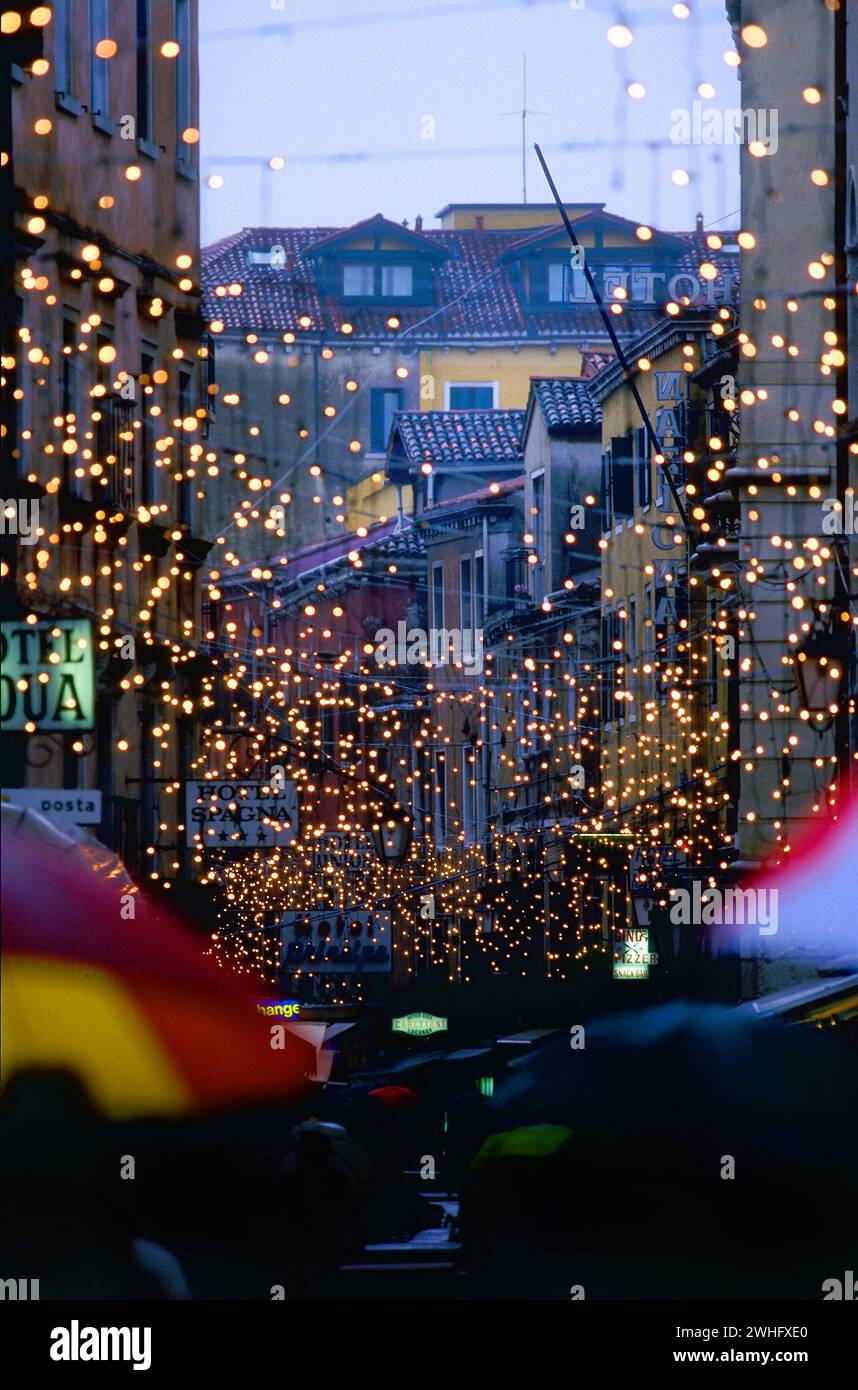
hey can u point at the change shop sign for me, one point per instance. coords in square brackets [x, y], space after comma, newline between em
[240, 815]
[47, 676]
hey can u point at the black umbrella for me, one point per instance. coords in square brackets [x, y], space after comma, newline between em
[712, 1155]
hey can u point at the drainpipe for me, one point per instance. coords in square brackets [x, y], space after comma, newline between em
[485, 566]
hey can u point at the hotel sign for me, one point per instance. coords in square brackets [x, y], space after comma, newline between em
[241, 815]
[342, 941]
[47, 677]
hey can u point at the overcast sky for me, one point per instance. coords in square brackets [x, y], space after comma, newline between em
[306, 80]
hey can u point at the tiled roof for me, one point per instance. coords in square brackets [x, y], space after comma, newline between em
[474, 288]
[566, 403]
[593, 362]
[495, 493]
[458, 436]
[401, 544]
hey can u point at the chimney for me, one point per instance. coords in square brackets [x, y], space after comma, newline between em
[699, 222]
[479, 222]
[418, 222]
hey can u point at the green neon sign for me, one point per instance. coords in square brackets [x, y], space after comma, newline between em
[420, 1025]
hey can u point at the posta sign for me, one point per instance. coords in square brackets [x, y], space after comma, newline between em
[419, 1025]
[47, 678]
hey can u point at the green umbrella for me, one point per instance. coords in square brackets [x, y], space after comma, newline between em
[529, 1141]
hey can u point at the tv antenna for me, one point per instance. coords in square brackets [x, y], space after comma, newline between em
[524, 112]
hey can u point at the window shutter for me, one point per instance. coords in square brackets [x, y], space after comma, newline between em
[622, 475]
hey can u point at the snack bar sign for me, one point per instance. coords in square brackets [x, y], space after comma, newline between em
[241, 815]
[632, 954]
[47, 676]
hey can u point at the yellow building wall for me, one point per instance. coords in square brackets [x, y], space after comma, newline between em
[373, 500]
[503, 219]
[511, 370]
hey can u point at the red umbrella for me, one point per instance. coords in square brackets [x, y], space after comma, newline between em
[97, 983]
[394, 1096]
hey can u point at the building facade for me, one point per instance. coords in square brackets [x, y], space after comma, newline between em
[322, 335]
[103, 676]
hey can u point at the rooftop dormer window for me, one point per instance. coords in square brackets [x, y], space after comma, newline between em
[566, 284]
[273, 256]
[358, 281]
[370, 280]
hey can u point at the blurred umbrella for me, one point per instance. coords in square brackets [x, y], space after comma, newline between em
[334, 1147]
[394, 1097]
[712, 1155]
[698, 1069]
[815, 892]
[95, 982]
[72, 844]
[528, 1142]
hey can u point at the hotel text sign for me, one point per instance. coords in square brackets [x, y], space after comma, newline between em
[47, 675]
[241, 815]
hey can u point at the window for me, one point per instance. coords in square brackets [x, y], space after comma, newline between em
[397, 280]
[479, 590]
[715, 636]
[622, 476]
[103, 372]
[469, 793]
[382, 404]
[184, 114]
[631, 657]
[482, 792]
[471, 396]
[465, 595]
[437, 596]
[275, 257]
[63, 48]
[521, 704]
[643, 474]
[69, 382]
[99, 68]
[649, 644]
[144, 70]
[852, 211]
[440, 801]
[606, 491]
[566, 283]
[515, 585]
[186, 487]
[363, 280]
[614, 277]
[149, 475]
[358, 281]
[619, 671]
[539, 533]
[608, 656]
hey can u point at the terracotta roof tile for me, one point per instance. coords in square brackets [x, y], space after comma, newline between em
[459, 436]
[475, 295]
[566, 403]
